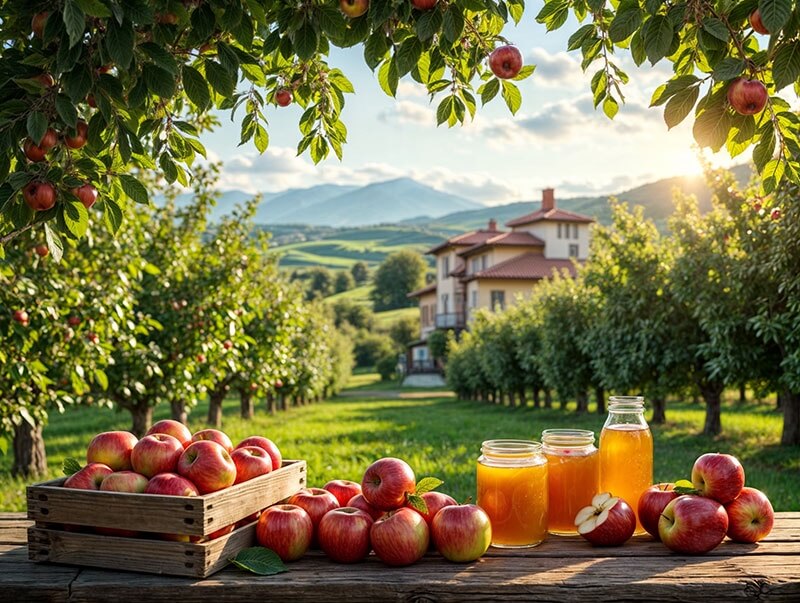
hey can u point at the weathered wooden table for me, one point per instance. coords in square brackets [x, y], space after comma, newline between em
[561, 569]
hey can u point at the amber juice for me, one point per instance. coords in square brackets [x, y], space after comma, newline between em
[512, 489]
[626, 463]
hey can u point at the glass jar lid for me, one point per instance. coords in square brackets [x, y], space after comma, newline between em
[625, 403]
[567, 438]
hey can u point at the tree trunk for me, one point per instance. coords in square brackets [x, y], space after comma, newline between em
[142, 414]
[548, 399]
[536, 400]
[712, 393]
[271, 406]
[742, 393]
[512, 398]
[282, 401]
[246, 398]
[562, 402]
[30, 458]
[779, 401]
[215, 399]
[600, 395]
[791, 419]
[522, 399]
[583, 402]
[179, 411]
[659, 411]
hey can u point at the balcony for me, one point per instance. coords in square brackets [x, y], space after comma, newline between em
[454, 320]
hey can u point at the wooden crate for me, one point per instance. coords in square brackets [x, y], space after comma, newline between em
[50, 505]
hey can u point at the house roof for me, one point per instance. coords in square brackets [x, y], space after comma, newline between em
[420, 292]
[554, 215]
[467, 239]
[528, 266]
[514, 239]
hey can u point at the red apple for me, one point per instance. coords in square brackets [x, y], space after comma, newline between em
[250, 461]
[125, 481]
[80, 137]
[214, 435]
[434, 501]
[400, 537]
[651, 505]
[40, 196]
[286, 529]
[775, 214]
[167, 18]
[74, 321]
[757, 24]
[423, 4]
[608, 521]
[718, 476]
[89, 477]
[505, 62]
[693, 525]
[112, 448]
[208, 465]
[156, 453]
[314, 501]
[49, 140]
[42, 251]
[176, 429]
[86, 193]
[171, 484]
[45, 79]
[21, 316]
[265, 444]
[343, 490]
[38, 22]
[359, 502]
[750, 516]
[343, 534]
[386, 483]
[92, 337]
[283, 97]
[461, 532]
[747, 97]
[33, 151]
[354, 8]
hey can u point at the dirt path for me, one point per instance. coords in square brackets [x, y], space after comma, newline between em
[392, 394]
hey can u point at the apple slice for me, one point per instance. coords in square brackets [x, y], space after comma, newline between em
[608, 521]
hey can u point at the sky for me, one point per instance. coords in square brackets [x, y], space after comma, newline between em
[557, 139]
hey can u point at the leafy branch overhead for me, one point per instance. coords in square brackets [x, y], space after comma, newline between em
[94, 91]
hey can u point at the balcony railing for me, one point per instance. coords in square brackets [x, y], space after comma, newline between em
[452, 320]
[426, 365]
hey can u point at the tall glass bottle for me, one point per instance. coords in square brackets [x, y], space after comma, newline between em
[626, 451]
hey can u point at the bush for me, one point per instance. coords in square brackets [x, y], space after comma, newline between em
[387, 367]
[371, 347]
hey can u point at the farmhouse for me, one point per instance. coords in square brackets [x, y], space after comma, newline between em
[492, 268]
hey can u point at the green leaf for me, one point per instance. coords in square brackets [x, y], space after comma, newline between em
[159, 82]
[627, 21]
[407, 55]
[775, 13]
[261, 138]
[3, 441]
[119, 43]
[772, 174]
[716, 28]
[417, 502]
[610, 106]
[427, 484]
[577, 39]
[219, 78]
[657, 33]
[259, 560]
[388, 77]
[112, 214]
[196, 87]
[94, 8]
[728, 68]
[686, 489]
[512, 96]
[66, 110]
[37, 125]
[711, 126]
[160, 57]
[375, 49]
[489, 90]
[70, 466]
[453, 24]
[524, 73]
[429, 24]
[134, 189]
[305, 41]
[680, 105]
[444, 110]
[75, 216]
[786, 66]
[74, 21]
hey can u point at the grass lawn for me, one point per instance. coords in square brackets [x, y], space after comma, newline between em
[441, 436]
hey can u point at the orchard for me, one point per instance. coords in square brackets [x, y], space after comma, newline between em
[96, 92]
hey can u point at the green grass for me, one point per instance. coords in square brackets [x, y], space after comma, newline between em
[383, 320]
[441, 436]
[359, 295]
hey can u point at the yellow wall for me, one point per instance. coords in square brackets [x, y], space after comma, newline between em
[512, 288]
[427, 300]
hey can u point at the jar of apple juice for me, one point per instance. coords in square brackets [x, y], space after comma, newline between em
[626, 452]
[573, 467]
[512, 489]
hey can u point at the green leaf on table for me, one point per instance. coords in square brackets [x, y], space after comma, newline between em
[427, 484]
[417, 502]
[70, 466]
[259, 560]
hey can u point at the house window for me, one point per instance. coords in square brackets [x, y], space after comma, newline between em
[483, 262]
[424, 316]
[445, 266]
[574, 231]
[473, 302]
[445, 300]
[559, 231]
[573, 251]
[474, 265]
[498, 300]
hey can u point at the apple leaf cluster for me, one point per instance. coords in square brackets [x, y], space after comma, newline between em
[712, 304]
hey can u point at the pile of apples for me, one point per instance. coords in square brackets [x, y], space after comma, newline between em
[383, 513]
[691, 519]
[170, 460]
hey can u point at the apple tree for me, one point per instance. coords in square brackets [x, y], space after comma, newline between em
[527, 347]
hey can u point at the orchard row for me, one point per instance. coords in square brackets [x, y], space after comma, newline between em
[712, 304]
[169, 311]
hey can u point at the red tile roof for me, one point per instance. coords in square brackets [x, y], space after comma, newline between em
[530, 266]
[515, 239]
[465, 240]
[555, 214]
[419, 292]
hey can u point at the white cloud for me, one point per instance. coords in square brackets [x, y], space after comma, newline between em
[408, 112]
[555, 70]
[410, 88]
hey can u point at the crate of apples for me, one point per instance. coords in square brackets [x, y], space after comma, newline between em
[389, 513]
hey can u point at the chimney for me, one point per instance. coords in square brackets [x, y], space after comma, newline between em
[492, 225]
[548, 199]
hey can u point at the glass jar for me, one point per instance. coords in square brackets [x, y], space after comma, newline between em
[512, 489]
[626, 451]
[573, 468]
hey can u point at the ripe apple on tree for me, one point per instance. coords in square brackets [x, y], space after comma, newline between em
[747, 97]
[505, 62]
[400, 537]
[286, 529]
[693, 525]
[354, 8]
[423, 4]
[42, 251]
[756, 23]
[343, 534]
[283, 97]
[86, 194]
[461, 533]
[112, 448]
[80, 137]
[40, 196]
[38, 22]
[21, 316]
